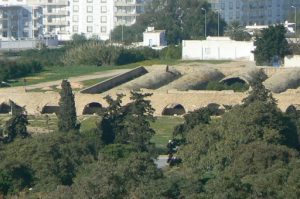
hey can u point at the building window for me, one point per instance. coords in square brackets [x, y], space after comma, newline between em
[89, 29]
[89, 19]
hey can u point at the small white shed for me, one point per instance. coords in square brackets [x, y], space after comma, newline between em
[154, 38]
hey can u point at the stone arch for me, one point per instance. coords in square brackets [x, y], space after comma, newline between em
[233, 80]
[50, 109]
[216, 109]
[174, 109]
[293, 108]
[5, 108]
[92, 108]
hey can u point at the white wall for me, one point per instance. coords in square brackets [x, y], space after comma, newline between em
[152, 39]
[292, 61]
[218, 49]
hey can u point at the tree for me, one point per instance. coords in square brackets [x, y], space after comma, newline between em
[182, 19]
[138, 116]
[111, 121]
[16, 125]
[67, 120]
[236, 32]
[129, 124]
[258, 91]
[271, 45]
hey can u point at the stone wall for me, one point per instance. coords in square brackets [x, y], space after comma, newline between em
[115, 81]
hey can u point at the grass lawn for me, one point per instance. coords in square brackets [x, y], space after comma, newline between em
[164, 127]
[91, 82]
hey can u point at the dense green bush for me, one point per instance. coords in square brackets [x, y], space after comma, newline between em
[46, 56]
[218, 86]
[98, 53]
[47, 160]
[171, 52]
[16, 69]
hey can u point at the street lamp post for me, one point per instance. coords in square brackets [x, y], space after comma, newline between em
[219, 23]
[122, 29]
[295, 19]
[205, 21]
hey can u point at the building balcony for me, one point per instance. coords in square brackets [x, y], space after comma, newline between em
[55, 3]
[56, 23]
[124, 4]
[57, 13]
[122, 14]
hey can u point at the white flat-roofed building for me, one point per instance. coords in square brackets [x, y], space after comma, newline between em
[217, 48]
[154, 38]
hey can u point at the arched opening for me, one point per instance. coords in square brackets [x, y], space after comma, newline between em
[92, 108]
[234, 80]
[216, 109]
[5, 108]
[174, 109]
[293, 109]
[50, 109]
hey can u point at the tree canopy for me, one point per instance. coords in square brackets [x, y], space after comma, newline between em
[271, 45]
[182, 19]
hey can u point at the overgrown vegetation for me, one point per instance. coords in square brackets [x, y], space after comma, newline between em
[220, 86]
[271, 46]
[19, 68]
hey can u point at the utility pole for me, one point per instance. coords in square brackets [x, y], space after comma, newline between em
[205, 22]
[219, 22]
[295, 20]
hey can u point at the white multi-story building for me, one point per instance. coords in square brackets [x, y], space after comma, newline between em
[97, 18]
[260, 12]
[56, 17]
[19, 21]
[93, 18]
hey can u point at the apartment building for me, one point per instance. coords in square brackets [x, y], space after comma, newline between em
[126, 11]
[19, 21]
[97, 18]
[93, 18]
[260, 12]
[56, 17]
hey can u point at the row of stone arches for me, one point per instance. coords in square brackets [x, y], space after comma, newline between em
[178, 109]
[89, 109]
[170, 110]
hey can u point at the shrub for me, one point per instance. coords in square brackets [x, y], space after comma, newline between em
[17, 69]
[171, 52]
[97, 53]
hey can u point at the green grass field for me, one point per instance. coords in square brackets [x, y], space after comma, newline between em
[164, 127]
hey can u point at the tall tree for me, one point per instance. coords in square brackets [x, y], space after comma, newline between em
[271, 45]
[258, 91]
[16, 125]
[67, 112]
[111, 121]
[137, 120]
[182, 19]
